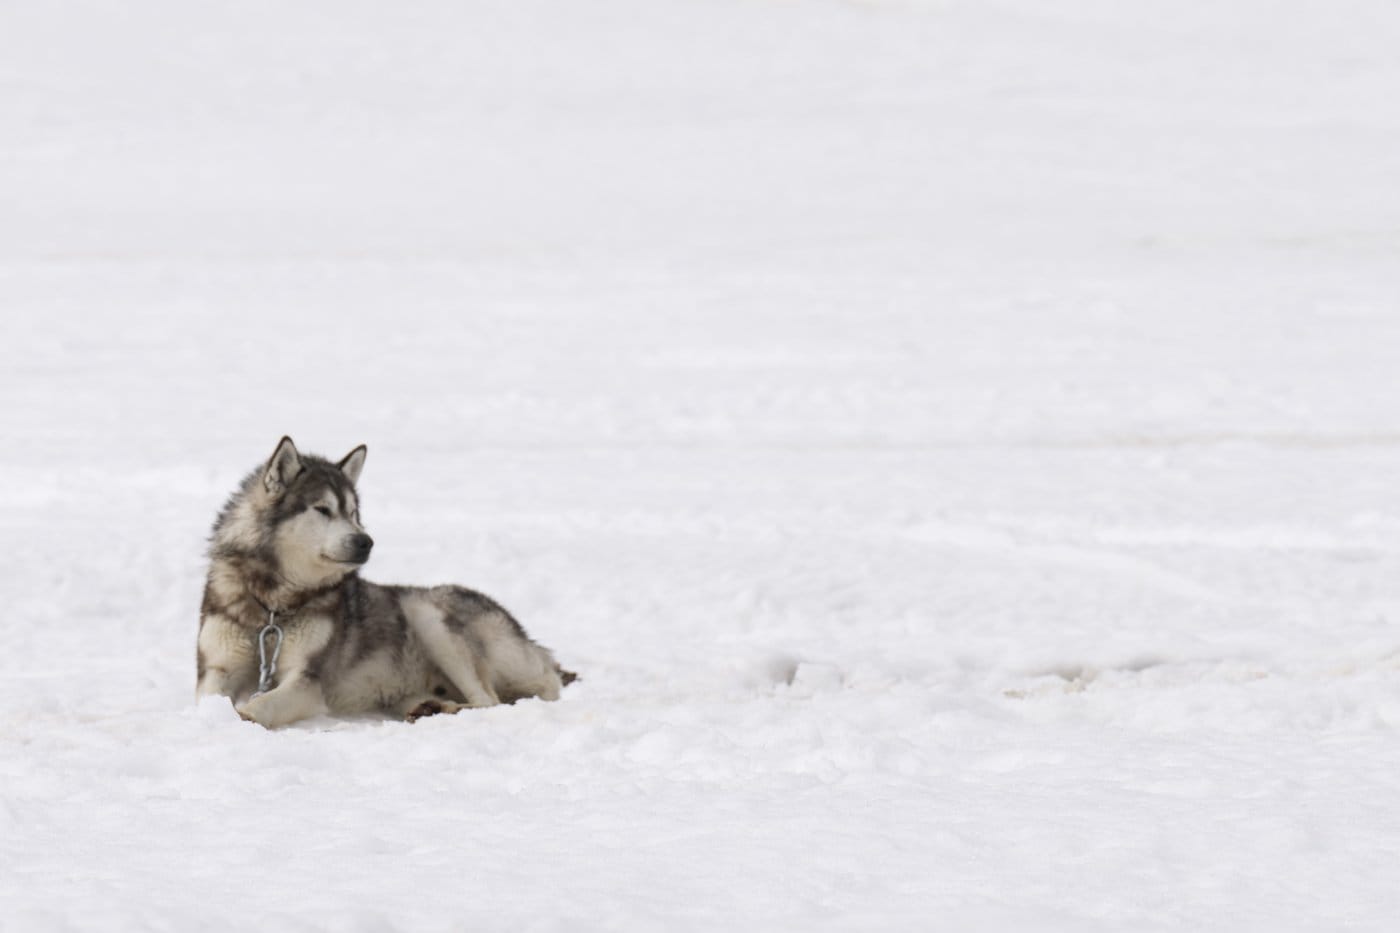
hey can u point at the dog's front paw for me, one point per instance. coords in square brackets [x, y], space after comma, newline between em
[256, 709]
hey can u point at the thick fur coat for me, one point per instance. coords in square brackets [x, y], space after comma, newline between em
[287, 549]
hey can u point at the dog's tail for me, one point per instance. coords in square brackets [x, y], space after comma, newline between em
[567, 677]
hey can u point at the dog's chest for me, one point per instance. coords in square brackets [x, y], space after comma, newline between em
[303, 638]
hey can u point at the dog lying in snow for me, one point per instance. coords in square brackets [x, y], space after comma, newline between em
[289, 630]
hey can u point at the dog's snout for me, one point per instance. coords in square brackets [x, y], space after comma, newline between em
[360, 545]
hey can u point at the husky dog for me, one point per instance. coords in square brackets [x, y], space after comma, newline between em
[287, 549]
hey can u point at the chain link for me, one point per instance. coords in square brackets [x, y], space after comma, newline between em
[267, 669]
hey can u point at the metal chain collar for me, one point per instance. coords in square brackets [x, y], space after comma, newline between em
[267, 667]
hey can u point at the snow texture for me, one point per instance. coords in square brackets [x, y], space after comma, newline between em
[957, 442]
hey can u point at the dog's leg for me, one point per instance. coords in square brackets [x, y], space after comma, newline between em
[225, 664]
[416, 707]
[296, 697]
[526, 671]
[518, 667]
[460, 668]
[451, 652]
[216, 681]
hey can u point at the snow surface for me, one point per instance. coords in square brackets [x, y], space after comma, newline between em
[957, 442]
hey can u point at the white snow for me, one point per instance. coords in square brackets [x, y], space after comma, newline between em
[957, 442]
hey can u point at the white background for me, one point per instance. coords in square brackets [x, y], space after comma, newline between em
[957, 443]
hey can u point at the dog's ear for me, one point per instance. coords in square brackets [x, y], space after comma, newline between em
[282, 467]
[353, 463]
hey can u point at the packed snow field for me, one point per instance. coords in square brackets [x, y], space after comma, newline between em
[958, 444]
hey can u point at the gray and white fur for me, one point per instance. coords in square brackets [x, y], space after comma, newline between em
[290, 542]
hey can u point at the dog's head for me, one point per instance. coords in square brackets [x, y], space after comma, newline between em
[301, 514]
[315, 515]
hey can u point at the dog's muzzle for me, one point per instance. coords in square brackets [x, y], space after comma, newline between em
[358, 548]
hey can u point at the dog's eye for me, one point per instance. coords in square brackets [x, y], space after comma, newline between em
[324, 511]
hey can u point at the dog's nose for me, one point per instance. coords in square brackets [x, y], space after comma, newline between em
[361, 545]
